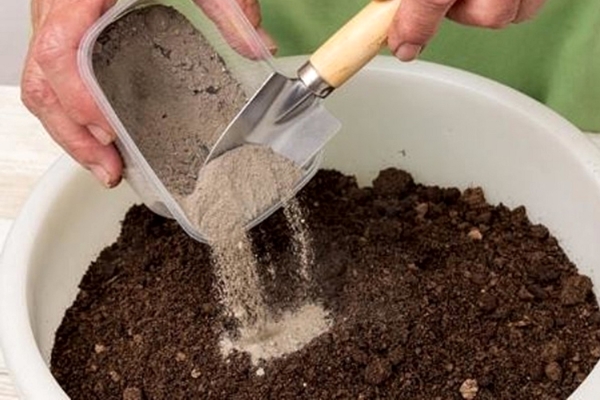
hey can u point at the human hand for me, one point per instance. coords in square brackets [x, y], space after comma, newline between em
[417, 21]
[52, 89]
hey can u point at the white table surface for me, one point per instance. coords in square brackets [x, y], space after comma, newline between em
[26, 152]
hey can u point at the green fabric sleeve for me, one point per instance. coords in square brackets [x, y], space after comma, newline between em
[554, 58]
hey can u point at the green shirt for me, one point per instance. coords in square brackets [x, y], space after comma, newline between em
[554, 58]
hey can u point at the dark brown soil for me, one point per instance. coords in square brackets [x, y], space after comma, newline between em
[431, 292]
[170, 89]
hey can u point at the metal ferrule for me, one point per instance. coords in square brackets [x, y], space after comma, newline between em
[313, 81]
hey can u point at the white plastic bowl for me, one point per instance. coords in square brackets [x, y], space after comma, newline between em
[445, 126]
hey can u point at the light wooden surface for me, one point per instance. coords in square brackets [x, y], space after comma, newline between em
[26, 152]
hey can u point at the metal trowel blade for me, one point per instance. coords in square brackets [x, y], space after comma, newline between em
[284, 115]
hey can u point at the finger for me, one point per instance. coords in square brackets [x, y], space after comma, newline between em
[251, 9]
[225, 16]
[55, 51]
[39, 12]
[40, 99]
[103, 161]
[493, 14]
[415, 23]
[528, 9]
[35, 92]
[268, 40]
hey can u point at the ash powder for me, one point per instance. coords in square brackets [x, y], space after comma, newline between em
[231, 191]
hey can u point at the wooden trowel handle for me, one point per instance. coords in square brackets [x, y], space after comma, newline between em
[356, 43]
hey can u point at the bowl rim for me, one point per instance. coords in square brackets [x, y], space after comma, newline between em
[31, 375]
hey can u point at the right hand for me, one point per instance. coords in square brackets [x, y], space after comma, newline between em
[417, 21]
[52, 89]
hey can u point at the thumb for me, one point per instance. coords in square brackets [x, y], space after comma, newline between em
[415, 24]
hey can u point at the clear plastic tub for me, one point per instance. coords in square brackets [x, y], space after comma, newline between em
[250, 73]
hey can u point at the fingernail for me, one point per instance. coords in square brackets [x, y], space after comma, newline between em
[267, 40]
[408, 51]
[102, 175]
[103, 137]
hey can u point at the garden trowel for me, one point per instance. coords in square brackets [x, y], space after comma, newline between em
[287, 114]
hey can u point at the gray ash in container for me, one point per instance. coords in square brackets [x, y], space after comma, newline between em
[169, 88]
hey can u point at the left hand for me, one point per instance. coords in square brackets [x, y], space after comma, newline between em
[53, 90]
[417, 21]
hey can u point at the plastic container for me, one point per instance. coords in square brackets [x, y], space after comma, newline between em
[250, 73]
[445, 126]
